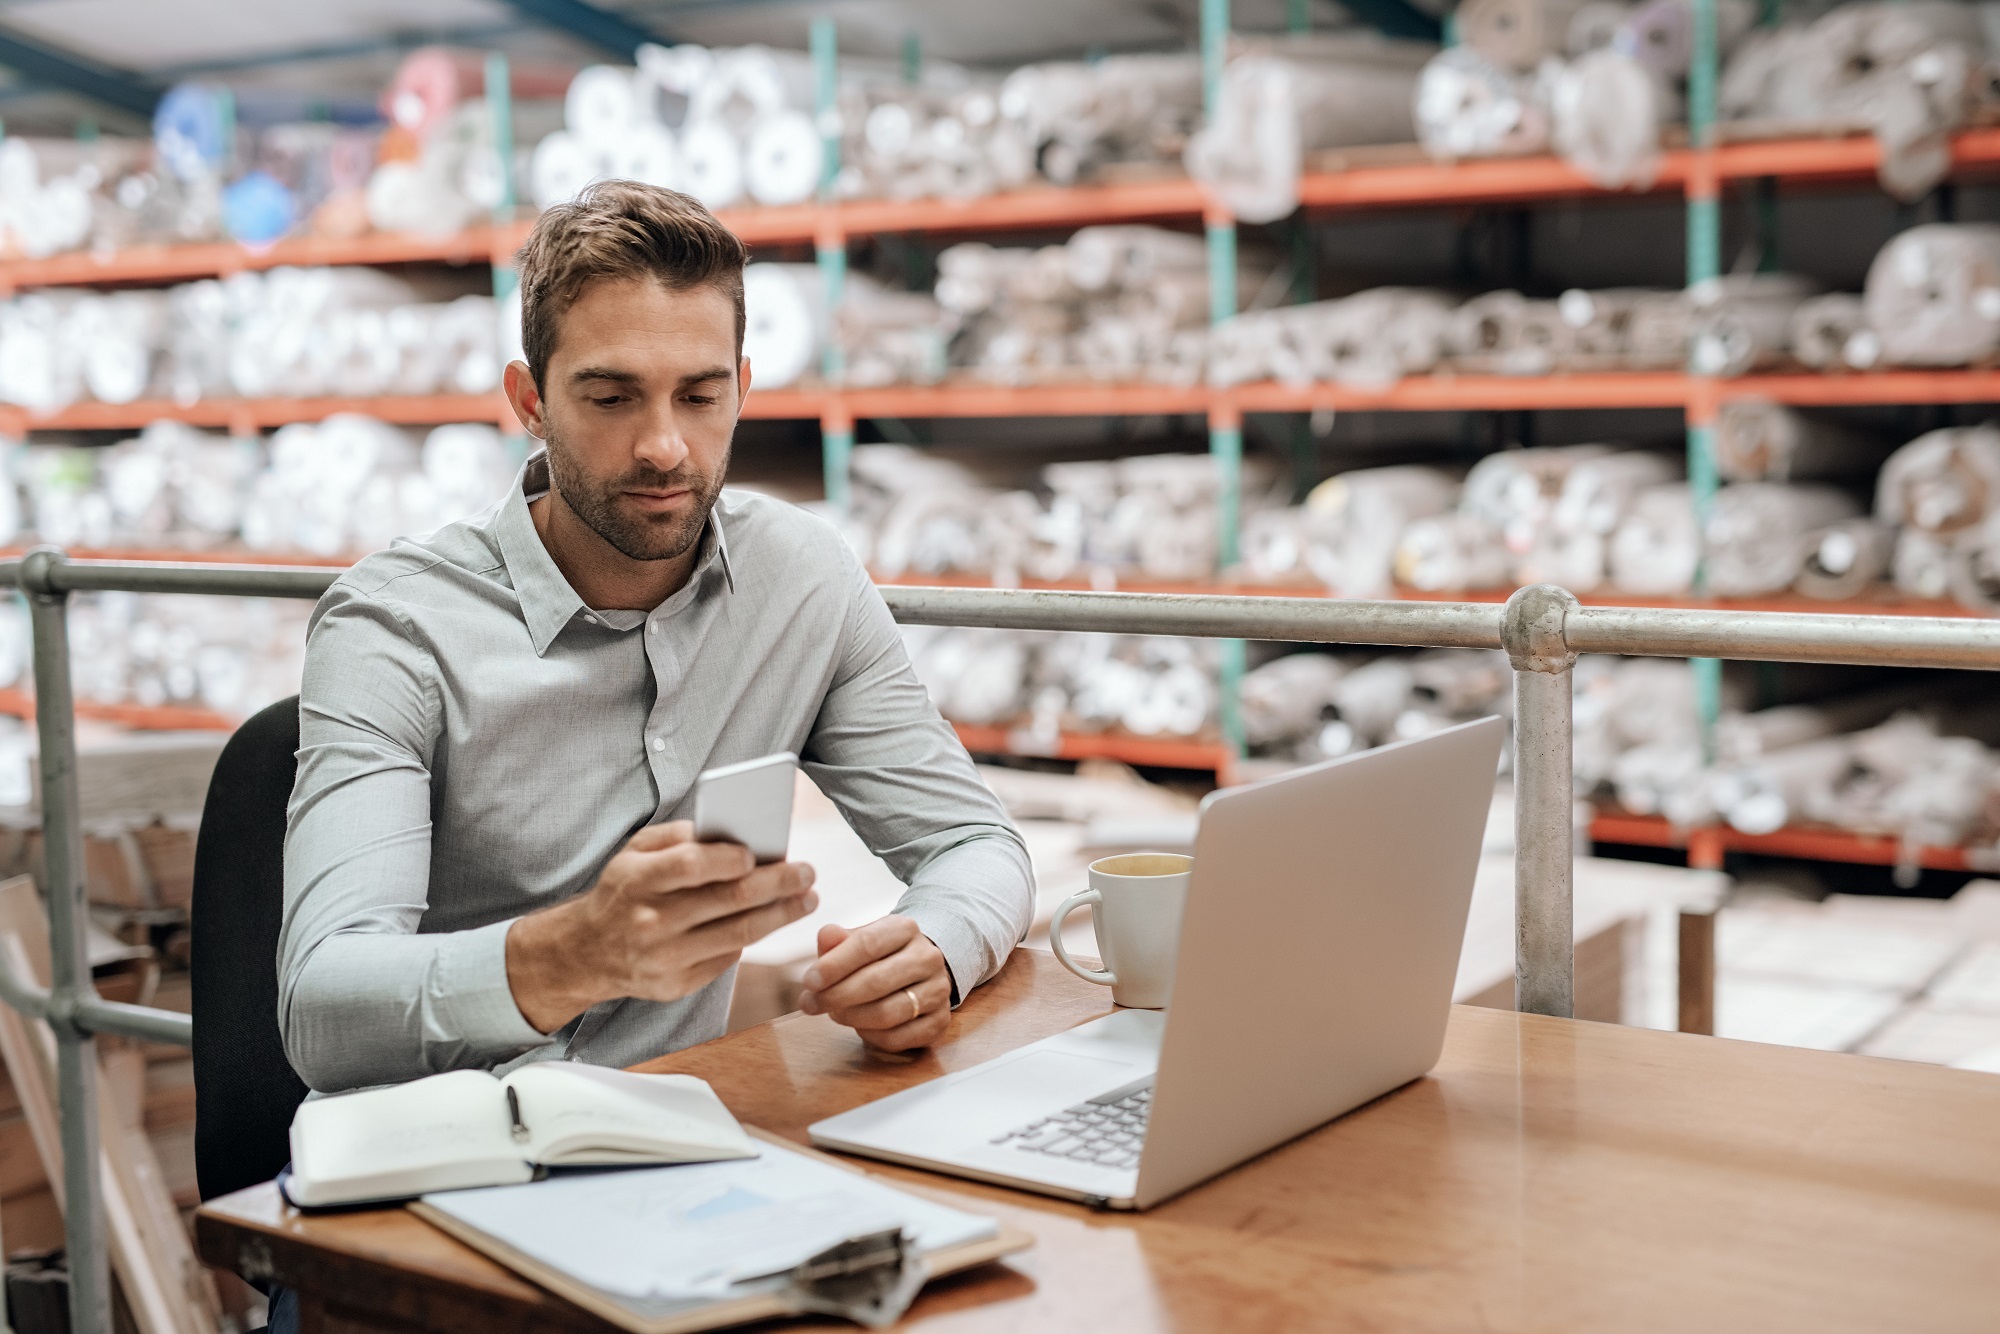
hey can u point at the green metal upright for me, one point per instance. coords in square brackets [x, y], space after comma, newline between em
[1704, 264]
[830, 248]
[500, 108]
[1225, 426]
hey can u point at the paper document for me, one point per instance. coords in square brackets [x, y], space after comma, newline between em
[696, 1230]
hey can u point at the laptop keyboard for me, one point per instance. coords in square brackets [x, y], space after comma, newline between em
[1108, 1130]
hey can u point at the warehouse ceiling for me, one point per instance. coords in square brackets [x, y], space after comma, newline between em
[66, 64]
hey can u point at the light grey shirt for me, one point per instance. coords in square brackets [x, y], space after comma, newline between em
[476, 743]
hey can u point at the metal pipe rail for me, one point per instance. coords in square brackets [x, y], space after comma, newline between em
[1542, 629]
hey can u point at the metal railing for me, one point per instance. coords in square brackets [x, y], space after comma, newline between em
[1542, 629]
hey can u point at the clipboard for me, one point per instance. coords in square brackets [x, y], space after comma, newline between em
[781, 1299]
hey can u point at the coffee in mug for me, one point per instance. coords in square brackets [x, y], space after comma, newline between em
[1135, 900]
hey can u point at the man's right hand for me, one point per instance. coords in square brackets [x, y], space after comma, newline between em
[666, 917]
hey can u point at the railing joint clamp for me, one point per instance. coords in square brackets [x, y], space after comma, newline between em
[1533, 628]
[38, 569]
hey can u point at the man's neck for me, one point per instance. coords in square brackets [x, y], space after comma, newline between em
[603, 576]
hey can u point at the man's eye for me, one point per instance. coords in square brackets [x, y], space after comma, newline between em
[610, 401]
[704, 400]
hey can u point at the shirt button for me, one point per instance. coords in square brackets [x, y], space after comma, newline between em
[653, 627]
[590, 619]
[659, 743]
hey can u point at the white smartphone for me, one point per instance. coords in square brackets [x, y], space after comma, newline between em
[748, 803]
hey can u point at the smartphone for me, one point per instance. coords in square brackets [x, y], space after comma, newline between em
[748, 803]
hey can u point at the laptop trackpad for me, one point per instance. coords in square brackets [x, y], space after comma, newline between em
[1004, 1096]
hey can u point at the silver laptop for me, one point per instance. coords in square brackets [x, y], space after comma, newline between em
[1318, 950]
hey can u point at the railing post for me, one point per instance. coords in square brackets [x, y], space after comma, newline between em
[1544, 799]
[69, 970]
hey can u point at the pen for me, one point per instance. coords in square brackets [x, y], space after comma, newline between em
[514, 1112]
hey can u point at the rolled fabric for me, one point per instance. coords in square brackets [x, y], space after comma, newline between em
[1973, 567]
[1595, 25]
[1516, 490]
[711, 163]
[1920, 565]
[1600, 490]
[1743, 321]
[1606, 111]
[1759, 440]
[1822, 327]
[1274, 109]
[1505, 333]
[1516, 34]
[561, 167]
[1358, 519]
[428, 84]
[192, 130]
[1657, 545]
[1659, 331]
[1844, 560]
[1943, 482]
[1100, 259]
[651, 156]
[1757, 533]
[1452, 553]
[1285, 699]
[1603, 326]
[1933, 295]
[782, 158]
[602, 106]
[782, 321]
[1468, 107]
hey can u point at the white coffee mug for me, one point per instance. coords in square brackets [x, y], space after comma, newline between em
[1135, 901]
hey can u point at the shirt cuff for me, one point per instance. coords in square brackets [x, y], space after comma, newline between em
[955, 939]
[473, 999]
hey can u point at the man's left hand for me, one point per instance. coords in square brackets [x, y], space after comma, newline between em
[885, 980]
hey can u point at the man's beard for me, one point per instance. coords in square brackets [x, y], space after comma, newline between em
[636, 536]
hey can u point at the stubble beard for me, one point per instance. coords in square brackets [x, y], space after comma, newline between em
[635, 536]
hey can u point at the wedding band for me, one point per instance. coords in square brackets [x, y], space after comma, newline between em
[916, 1006]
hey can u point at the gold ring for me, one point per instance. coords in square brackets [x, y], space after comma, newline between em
[916, 1006]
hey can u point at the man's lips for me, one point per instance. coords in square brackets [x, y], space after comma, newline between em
[659, 500]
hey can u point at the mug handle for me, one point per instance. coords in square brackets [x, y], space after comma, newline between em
[1088, 898]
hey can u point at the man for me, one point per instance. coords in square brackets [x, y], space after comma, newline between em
[500, 727]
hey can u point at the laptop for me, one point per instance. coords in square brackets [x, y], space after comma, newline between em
[1320, 942]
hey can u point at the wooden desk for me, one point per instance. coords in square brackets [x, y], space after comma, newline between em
[1549, 1175]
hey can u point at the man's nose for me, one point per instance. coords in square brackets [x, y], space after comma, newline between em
[662, 444]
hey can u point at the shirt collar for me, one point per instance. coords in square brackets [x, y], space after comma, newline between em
[548, 603]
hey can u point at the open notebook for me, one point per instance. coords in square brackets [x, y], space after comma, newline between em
[467, 1128]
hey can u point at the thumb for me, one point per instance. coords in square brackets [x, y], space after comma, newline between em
[658, 837]
[830, 935]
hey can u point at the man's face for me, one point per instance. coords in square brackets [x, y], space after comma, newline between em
[642, 393]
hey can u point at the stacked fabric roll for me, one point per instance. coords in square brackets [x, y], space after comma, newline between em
[347, 331]
[1149, 516]
[1594, 80]
[1284, 99]
[1314, 706]
[347, 485]
[1908, 74]
[1045, 685]
[885, 336]
[1369, 340]
[229, 655]
[1114, 303]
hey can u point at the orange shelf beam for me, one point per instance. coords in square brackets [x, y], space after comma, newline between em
[1822, 843]
[182, 263]
[1179, 754]
[162, 718]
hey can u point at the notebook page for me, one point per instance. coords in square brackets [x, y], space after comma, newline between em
[580, 1115]
[431, 1134]
[691, 1231]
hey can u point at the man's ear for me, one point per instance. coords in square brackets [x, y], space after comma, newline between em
[742, 381]
[524, 398]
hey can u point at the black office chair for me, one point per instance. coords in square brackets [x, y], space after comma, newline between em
[244, 1090]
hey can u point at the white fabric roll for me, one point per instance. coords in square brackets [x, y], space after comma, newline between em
[1757, 534]
[1845, 559]
[602, 106]
[1358, 519]
[1283, 700]
[782, 305]
[1517, 490]
[1743, 321]
[562, 167]
[1822, 327]
[1452, 553]
[1943, 482]
[782, 158]
[649, 155]
[1921, 564]
[1468, 107]
[1505, 333]
[1933, 295]
[1606, 111]
[711, 163]
[1758, 440]
[1516, 34]
[1973, 567]
[1657, 545]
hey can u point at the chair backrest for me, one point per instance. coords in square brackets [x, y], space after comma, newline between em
[244, 1090]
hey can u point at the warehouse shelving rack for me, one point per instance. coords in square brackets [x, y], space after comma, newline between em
[1352, 180]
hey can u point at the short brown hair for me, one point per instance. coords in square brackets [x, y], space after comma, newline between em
[621, 229]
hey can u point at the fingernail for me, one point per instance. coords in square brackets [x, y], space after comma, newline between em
[813, 979]
[811, 901]
[808, 1003]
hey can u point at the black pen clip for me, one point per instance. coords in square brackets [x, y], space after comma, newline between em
[514, 1114]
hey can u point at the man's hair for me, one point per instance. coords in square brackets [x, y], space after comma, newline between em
[621, 229]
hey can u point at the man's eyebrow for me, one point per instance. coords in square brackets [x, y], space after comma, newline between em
[712, 373]
[603, 373]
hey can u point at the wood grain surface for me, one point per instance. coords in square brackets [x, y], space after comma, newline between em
[1549, 1174]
